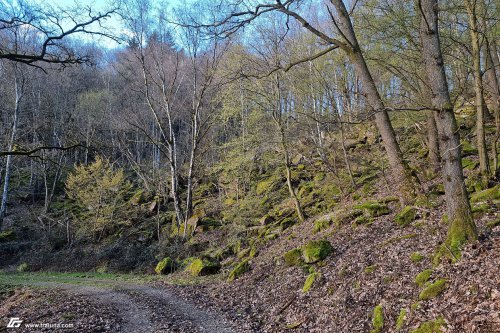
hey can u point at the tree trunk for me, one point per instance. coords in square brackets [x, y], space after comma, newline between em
[478, 88]
[433, 141]
[5, 193]
[493, 89]
[288, 173]
[461, 225]
[402, 176]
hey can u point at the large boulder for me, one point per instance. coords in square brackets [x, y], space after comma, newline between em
[165, 266]
[406, 216]
[315, 251]
[205, 266]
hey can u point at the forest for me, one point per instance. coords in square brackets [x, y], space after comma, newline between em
[250, 166]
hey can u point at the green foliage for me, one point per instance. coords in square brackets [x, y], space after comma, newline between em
[433, 290]
[165, 266]
[416, 257]
[293, 257]
[310, 281]
[433, 326]
[100, 192]
[239, 270]
[315, 251]
[406, 216]
[377, 319]
[401, 319]
[422, 277]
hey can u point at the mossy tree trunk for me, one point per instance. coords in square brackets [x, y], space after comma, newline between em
[461, 224]
[471, 6]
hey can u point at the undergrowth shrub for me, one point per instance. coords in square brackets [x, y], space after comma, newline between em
[101, 193]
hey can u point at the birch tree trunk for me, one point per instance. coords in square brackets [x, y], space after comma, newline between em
[478, 87]
[8, 163]
[461, 225]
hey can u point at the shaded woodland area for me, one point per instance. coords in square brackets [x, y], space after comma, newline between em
[301, 147]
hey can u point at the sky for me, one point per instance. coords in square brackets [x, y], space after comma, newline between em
[99, 6]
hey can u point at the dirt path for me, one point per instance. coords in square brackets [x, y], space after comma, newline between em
[142, 307]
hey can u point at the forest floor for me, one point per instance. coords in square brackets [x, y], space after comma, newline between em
[95, 304]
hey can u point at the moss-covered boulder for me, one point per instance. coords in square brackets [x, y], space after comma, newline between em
[433, 326]
[406, 216]
[310, 281]
[205, 266]
[266, 219]
[165, 266]
[377, 319]
[433, 290]
[287, 223]
[315, 251]
[488, 194]
[416, 257]
[239, 270]
[7, 236]
[422, 277]
[469, 164]
[321, 225]
[293, 257]
[373, 208]
[400, 322]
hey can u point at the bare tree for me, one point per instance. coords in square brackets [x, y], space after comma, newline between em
[461, 225]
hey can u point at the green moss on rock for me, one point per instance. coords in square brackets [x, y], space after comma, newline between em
[315, 251]
[240, 269]
[401, 319]
[422, 277]
[494, 223]
[433, 289]
[406, 216]
[373, 208]
[416, 257]
[200, 267]
[370, 269]
[488, 194]
[321, 225]
[23, 267]
[294, 257]
[287, 223]
[377, 319]
[433, 326]
[7, 236]
[310, 281]
[165, 266]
